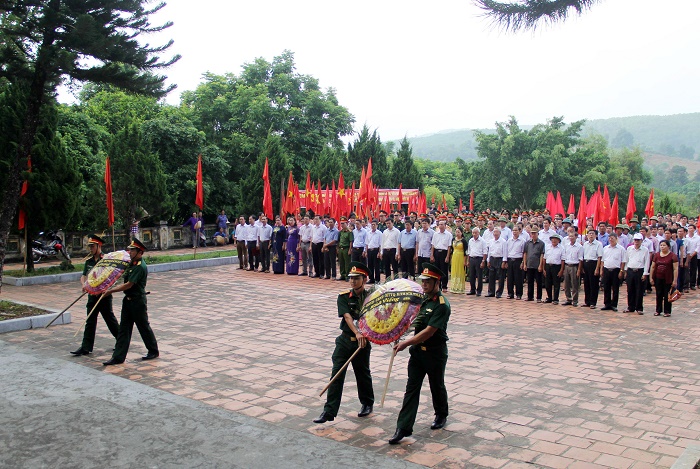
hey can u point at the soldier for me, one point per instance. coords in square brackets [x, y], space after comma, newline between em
[349, 305]
[134, 307]
[345, 240]
[105, 305]
[428, 356]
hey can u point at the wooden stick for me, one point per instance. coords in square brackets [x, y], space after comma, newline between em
[90, 314]
[114, 242]
[67, 308]
[388, 374]
[340, 371]
[196, 244]
[26, 252]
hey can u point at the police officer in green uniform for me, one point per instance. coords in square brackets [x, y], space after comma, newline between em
[349, 306]
[345, 239]
[134, 308]
[428, 356]
[104, 307]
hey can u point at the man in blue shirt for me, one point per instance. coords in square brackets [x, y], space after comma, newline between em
[603, 237]
[407, 251]
[330, 249]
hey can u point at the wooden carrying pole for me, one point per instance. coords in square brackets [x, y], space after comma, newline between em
[388, 374]
[340, 371]
[67, 308]
[90, 313]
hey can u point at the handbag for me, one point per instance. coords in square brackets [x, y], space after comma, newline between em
[674, 295]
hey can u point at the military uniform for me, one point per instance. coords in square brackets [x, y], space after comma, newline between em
[429, 357]
[134, 311]
[345, 346]
[345, 239]
[104, 308]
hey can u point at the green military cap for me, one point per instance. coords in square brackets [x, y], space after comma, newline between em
[136, 244]
[634, 220]
[94, 239]
[566, 220]
[430, 271]
[555, 236]
[358, 269]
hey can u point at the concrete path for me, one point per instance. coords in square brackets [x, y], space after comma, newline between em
[530, 385]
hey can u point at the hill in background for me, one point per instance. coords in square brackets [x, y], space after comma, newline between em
[674, 136]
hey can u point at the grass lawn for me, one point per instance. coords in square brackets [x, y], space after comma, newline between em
[9, 310]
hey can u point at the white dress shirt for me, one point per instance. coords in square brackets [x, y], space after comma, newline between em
[516, 247]
[614, 257]
[553, 254]
[425, 242]
[573, 253]
[374, 239]
[498, 248]
[592, 251]
[478, 247]
[319, 233]
[638, 258]
[390, 238]
[442, 241]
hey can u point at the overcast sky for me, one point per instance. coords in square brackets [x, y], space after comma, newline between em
[414, 68]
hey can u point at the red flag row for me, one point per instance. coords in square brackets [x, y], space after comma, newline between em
[598, 206]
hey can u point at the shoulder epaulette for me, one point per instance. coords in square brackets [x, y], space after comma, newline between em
[345, 292]
[442, 300]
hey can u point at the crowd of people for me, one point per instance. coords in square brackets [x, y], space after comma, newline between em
[504, 251]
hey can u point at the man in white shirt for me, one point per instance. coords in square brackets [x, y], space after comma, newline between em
[637, 270]
[241, 248]
[317, 239]
[424, 242]
[374, 244]
[515, 266]
[488, 234]
[553, 264]
[252, 243]
[506, 233]
[573, 266]
[496, 261]
[691, 245]
[614, 259]
[546, 232]
[478, 251]
[306, 233]
[388, 253]
[592, 266]
[441, 242]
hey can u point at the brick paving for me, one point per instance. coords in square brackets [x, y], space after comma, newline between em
[530, 385]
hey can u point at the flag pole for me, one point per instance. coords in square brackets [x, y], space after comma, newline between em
[114, 242]
[26, 250]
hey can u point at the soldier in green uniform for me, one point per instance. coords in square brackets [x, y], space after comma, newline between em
[349, 306]
[428, 356]
[381, 226]
[105, 305]
[134, 308]
[345, 239]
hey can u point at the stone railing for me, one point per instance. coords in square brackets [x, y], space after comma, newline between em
[161, 237]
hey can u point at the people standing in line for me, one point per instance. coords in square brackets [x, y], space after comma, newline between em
[134, 307]
[477, 250]
[573, 266]
[497, 262]
[614, 258]
[252, 242]
[374, 245]
[592, 267]
[104, 307]
[292, 253]
[515, 267]
[532, 258]
[317, 240]
[553, 266]
[428, 356]
[264, 237]
[330, 249]
[636, 272]
[346, 344]
[458, 262]
[664, 275]
[407, 250]
[304, 255]
[240, 236]
[388, 253]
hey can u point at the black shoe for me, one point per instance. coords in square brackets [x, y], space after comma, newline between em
[150, 356]
[510, 297]
[478, 294]
[547, 301]
[498, 296]
[469, 293]
[567, 303]
[80, 351]
[365, 411]
[398, 436]
[112, 361]
[439, 422]
[606, 308]
[324, 417]
[489, 295]
[518, 297]
[614, 310]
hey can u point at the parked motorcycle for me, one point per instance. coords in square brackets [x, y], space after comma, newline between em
[49, 245]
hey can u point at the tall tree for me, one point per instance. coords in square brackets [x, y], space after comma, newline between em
[403, 169]
[43, 42]
[528, 14]
[368, 146]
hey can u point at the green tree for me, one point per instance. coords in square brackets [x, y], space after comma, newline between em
[622, 139]
[677, 176]
[528, 14]
[47, 41]
[403, 169]
[252, 186]
[368, 146]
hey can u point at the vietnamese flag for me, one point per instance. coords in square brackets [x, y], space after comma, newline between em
[199, 196]
[342, 198]
[614, 213]
[471, 201]
[631, 206]
[369, 169]
[444, 204]
[289, 204]
[572, 205]
[649, 209]
[25, 187]
[606, 204]
[559, 205]
[582, 209]
[460, 205]
[108, 187]
[400, 196]
[307, 191]
[363, 187]
[267, 192]
[351, 205]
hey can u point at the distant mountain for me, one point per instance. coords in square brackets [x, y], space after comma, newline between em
[675, 135]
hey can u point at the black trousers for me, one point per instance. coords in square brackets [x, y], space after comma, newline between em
[611, 287]
[682, 276]
[662, 289]
[496, 273]
[317, 258]
[475, 274]
[104, 307]
[373, 263]
[329, 258]
[534, 275]
[390, 263]
[552, 281]
[134, 311]
[421, 261]
[635, 290]
[265, 255]
[693, 272]
[356, 255]
[253, 259]
[515, 277]
[408, 266]
[441, 263]
[590, 283]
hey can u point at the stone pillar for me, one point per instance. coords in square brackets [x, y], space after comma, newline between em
[164, 235]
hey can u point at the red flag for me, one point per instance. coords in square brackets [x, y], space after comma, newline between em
[363, 187]
[267, 192]
[369, 169]
[311, 198]
[386, 205]
[289, 204]
[400, 195]
[550, 203]
[606, 204]
[471, 201]
[614, 213]
[342, 198]
[199, 197]
[649, 209]
[582, 209]
[432, 201]
[108, 187]
[297, 200]
[327, 200]
[592, 209]
[25, 187]
[559, 205]
[307, 192]
[460, 205]
[631, 206]
[572, 205]
[334, 202]
[351, 206]
[444, 204]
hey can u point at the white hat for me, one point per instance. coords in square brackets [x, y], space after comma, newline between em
[638, 236]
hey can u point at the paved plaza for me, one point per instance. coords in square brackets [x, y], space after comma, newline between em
[530, 385]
